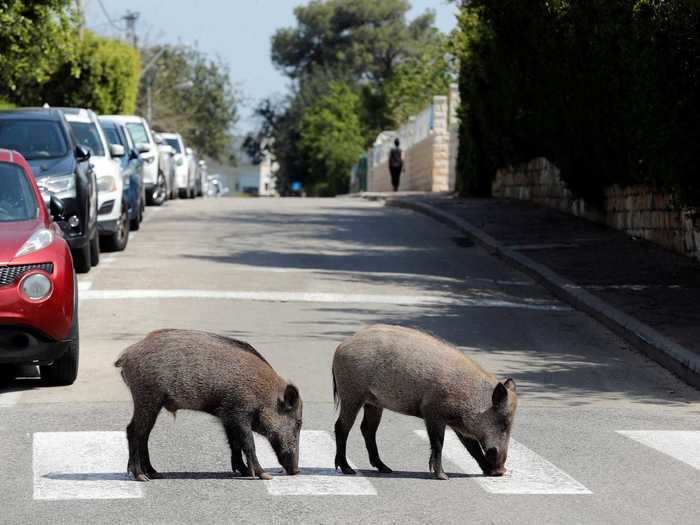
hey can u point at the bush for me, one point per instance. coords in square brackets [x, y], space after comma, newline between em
[606, 89]
[103, 77]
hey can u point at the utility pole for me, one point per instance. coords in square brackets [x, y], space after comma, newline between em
[80, 11]
[130, 18]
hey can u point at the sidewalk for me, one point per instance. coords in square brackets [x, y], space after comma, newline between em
[646, 294]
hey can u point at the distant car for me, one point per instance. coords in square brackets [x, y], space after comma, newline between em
[154, 180]
[61, 166]
[184, 180]
[38, 292]
[112, 202]
[132, 168]
[166, 162]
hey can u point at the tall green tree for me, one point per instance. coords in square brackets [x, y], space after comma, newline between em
[331, 137]
[193, 94]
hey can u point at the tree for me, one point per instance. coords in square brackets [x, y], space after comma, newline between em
[103, 76]
[193, 95]
[331, 137]
[35, 38]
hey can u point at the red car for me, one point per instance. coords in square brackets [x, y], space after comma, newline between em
[38, 290]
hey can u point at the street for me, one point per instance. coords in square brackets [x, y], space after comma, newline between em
[602, 434]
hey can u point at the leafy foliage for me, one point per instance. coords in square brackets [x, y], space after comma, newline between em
[35, 39]
[606, 89]
[193, 95]
[104, 76]
[331, 137]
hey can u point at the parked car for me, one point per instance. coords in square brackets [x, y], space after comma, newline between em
[166, 160]
[38, 292]
[132, 168]
[61, 166]
[112, 205]
[184, 181]
[154, 180]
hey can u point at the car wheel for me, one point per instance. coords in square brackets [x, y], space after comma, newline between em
[82, 260]
[192, 193]
[159, 192]
[64, 371]
[95, 250]
[117, 241]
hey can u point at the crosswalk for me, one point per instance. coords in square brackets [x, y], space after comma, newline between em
[91, 466]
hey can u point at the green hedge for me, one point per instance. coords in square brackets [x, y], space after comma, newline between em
[608, 90]
[104, 77]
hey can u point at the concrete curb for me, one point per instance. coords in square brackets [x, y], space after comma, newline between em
[658, 347]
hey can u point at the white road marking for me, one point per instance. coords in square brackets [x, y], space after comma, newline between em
[683, 445]
[107, 260]
[528, 473]
[317, 477]
[82, 466]
[84, 286]
[9, 399]
[314, 297]
[132, 236]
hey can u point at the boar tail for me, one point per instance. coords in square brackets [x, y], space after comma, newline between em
[336, 401]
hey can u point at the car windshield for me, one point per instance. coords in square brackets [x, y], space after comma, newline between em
[138, 132]
[34, 139]
[87, 135]
[17, 201]
[113, 136]
[175, 145]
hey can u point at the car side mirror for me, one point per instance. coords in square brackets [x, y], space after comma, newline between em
[82, 154]
[188, 151]
[117, 150]
[56, 207]
[159, 140]
[142, 147]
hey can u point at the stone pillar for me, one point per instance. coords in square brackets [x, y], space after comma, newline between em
[441, 144]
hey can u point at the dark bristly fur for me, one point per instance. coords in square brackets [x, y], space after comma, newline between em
[414, 373]
[193, 370]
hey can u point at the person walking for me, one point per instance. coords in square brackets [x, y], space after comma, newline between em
[395, 164]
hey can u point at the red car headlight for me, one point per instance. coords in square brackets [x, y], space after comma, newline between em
[36, 286]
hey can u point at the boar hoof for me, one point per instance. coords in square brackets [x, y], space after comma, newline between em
[140, 477]
[265, 476]
[441, 476]
[382, 468]
[154, 475]
[346, 469]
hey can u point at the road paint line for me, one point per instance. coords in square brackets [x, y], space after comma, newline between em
[310, 297]
[84, 286]
[683, 445]
[82, 466]
[108, 260]
[528, 472]
[132, 236]
[317, 477]
[9, 399]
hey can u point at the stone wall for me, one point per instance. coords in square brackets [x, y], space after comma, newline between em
[638, 210]
[429, 141]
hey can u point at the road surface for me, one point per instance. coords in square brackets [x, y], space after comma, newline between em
[602, 434]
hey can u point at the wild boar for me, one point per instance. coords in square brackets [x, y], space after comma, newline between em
[414, 373]
[227, 378]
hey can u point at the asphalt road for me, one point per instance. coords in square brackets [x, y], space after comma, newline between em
[294, 277]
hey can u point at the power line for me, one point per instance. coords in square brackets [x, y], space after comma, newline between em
[109, 18]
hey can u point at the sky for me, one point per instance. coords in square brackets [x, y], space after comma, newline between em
[237, 31]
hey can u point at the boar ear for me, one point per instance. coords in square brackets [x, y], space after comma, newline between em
[500, 395]
[291, 397]
[509, 384]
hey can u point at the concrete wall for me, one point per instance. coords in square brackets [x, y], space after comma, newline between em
[429, 141]
[638, 210]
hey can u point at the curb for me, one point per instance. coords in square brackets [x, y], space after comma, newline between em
[658, 347]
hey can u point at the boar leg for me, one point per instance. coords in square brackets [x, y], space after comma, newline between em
[237, 464]
[474, 448]
[346, 419]
[369, 426]
[436, 434]
[137, 434]
[244, 435]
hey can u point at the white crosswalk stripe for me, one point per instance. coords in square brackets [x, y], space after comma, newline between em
[317, 477]
[82, 465]
[528, 473]
[683, 445]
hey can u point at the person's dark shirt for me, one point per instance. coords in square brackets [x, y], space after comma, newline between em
[395, 160]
